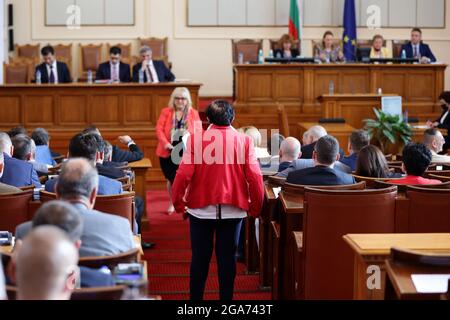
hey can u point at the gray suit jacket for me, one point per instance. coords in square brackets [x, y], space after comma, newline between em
[103, 234]
[5, 189]
[309, 163]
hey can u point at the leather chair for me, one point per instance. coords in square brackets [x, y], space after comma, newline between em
[327, 263]
[371, 182]
[91, 57]
[122, 205]
[14, 209]
[397, 47]
[64, 54]
[110, 261]
[17, 73]
[159, 48]
[283, 121]
[249, 48]
[367, 44]
[29, 51]
[275, 44]
[428, 209]
[126, 49]
[300, 189]
[378, 184]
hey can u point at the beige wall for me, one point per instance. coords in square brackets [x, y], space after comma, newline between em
[201, 53]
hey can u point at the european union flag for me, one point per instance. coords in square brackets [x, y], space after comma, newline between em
[350, 30]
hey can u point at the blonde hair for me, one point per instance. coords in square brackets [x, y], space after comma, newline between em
[253, 133]
[180, 91]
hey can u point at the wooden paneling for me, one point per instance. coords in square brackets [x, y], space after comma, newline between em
[66, 109]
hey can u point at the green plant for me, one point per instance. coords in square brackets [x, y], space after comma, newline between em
[388, 129]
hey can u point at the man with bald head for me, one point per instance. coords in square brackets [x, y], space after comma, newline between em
[313, 135]
[290, 151]
[46, 266]
[435, 141]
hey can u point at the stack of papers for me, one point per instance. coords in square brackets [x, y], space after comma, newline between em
[277, 191]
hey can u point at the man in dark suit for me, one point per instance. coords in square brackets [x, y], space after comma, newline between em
[325, 155]
[312, 136]
[154, 71]
[67, 218]
[53, 71]
[16, 173]
[114, 70]
[358, 140]
[417, 49]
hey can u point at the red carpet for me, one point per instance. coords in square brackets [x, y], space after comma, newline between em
[168, 263]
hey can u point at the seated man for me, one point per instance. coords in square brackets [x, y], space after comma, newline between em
[154, 71]
[358, 140]
[16, 131]
[118, 155]
[4, 188]
[53, 71]
[417, 49]
[103, 234]
[46, 266]
[289, 151]
[313, 135]
[86, 146]
[66, 217]
[114, 70]
[325, 155]
[434, 140]
[16, 172]
[416, 160]
[25, 149]
[42, 140]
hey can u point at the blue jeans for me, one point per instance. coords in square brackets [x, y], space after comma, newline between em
[202, 243]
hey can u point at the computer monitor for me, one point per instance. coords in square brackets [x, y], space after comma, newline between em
[363, 54]
[392, 106]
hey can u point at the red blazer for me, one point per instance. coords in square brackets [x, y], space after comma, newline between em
[200, 183]
[164, 128]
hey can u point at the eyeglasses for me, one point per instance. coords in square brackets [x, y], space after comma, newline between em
[180, 98]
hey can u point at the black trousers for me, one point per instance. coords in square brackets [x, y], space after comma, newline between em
[202, 243]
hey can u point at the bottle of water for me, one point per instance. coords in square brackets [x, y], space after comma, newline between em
[403, 54]
[90, 78]
[331, 88]
[141, 76]
[406, 116]
[260, 57]
[241, 58]
[379, 91]
[38, 77]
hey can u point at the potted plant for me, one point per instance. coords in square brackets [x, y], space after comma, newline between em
[390, 131]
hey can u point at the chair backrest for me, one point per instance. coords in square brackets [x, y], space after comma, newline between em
[45, 196]
[64, 54]
[300, 189]
[110, 261]
[126, 49]
[318, 44]
[122, 205]
[27, 188]
[91, 57]
[367, 43]
[370, 182]
[443, 178]
[276, 181]
[159, 47]
[249, 48]
[329, 215]
[99, 294]
[428, 209]
[397, 47]
[379, 184]
[419, 259]
[17, 73]
[283, 121]
[14, 209]
[28, 51]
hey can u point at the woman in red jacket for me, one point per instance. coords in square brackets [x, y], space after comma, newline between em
[175, 121]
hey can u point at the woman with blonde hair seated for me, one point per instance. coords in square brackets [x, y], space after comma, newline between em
[378, 51]
[286, 47]
[252, 132]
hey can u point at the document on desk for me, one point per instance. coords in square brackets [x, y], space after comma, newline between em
[431, 283]
[276, 192]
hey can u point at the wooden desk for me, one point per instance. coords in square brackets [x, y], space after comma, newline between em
[399, 284]
[66, 109]
[374, 249]
[341, 131]
[140, 169]
[291, 219]
[297, 86]
[354, 108]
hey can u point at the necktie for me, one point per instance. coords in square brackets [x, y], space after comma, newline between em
[150, 74]
[115, 76]
[52, 75]
[415, 52]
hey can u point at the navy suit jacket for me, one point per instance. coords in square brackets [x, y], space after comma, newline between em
[307, 151]
[164, 74]
[133, 155]
[110, 171]
[320, 176]
[104, 72]
[425, 51]
[106, 186]
[351, 161]
[63, 73]
[294, 53]
[19, 173]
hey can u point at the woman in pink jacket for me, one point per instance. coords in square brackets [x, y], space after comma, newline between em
[175, 121]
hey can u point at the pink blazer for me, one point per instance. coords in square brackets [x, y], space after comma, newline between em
[164, 128]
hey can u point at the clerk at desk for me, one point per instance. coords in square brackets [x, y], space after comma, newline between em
[114, 70]
[52, 71]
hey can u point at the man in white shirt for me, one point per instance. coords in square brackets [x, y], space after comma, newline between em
[434, 140]
[114, 69]
[153, 71]
[51, 70]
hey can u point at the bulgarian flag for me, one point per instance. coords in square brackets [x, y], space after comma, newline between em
[295, 17]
